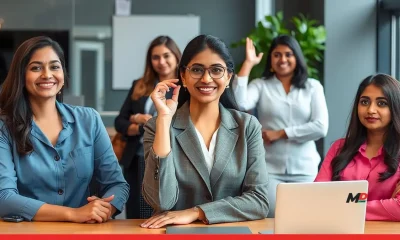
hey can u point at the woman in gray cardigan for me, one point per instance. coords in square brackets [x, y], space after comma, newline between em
[205, 160]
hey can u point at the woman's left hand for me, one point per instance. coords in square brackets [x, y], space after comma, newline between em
[172, 217]
[107, 199]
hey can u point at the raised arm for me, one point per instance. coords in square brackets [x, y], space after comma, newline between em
[253, 203]
[160, 186]
[247, 96]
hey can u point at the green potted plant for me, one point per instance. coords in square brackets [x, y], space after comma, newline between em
[308, 33]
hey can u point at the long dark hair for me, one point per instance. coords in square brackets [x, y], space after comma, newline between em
[146, 84]
[300, 72]
[15, 108]
[357, 134]
[194, 47]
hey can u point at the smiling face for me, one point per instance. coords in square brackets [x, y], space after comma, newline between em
[44, 74]
[283, 61]
[206, 89]
[373, 109]
[163, 61]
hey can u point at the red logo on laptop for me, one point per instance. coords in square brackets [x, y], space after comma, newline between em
[358, 198]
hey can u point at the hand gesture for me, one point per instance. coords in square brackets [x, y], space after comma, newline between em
[251, 56]
[165, 107]
[171, 217]
[97, 210]
[140, 118]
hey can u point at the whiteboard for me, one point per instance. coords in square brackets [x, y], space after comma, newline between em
[132, 36]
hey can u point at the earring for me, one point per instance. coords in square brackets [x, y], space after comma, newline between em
[271, 70]
[227, 86]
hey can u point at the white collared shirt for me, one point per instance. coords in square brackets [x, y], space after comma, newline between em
[209, 154]
[302, 113]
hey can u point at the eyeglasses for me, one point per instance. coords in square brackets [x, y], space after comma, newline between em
[215, 72]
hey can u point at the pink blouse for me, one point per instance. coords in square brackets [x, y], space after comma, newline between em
[380, 204]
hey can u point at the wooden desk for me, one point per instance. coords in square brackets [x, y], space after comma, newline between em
[132, 227]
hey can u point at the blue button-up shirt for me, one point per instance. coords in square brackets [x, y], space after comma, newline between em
[60, 174]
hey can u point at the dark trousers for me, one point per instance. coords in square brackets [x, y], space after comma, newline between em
[136, 207]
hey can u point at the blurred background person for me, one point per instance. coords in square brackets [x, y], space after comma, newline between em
[162, 59]
[291, 109]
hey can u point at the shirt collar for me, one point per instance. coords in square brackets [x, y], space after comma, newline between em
[363, 148]
[66, 115]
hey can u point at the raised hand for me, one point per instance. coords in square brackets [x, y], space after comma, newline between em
[251, 56]
[165, 107]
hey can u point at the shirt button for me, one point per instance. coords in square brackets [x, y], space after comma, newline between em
[60, 192]
[56, 157]
[156, 171]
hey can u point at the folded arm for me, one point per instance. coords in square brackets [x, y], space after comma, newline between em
[317, 127]
[384, 209]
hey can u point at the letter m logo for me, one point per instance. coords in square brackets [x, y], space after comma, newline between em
[358, 198]
[352, 198]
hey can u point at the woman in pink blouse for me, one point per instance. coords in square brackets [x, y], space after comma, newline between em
[371, 149]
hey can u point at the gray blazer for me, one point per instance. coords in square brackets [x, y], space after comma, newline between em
[236, 189]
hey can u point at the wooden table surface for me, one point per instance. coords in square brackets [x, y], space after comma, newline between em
[132, 227]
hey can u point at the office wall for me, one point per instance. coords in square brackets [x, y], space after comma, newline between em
[350, 56]
[311, 8]
[37, 14]
[230, 20]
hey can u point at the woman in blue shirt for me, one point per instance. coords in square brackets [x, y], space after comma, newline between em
[49, 151]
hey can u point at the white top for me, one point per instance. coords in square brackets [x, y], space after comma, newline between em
[209, 154]
[302, 113]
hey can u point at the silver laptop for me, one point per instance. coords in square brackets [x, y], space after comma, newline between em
[321, 207]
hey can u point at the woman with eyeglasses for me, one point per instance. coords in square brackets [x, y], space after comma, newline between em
[162, 60]
[204, 158]
[291, 109]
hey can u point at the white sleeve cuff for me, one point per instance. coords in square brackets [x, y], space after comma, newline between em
[242, 80]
